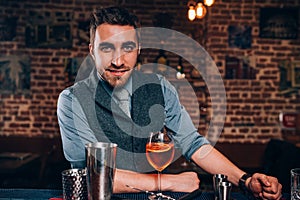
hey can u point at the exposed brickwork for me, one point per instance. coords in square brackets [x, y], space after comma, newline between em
[253, 106]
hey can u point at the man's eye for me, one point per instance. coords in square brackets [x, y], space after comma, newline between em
[128, 48]
[106, 49]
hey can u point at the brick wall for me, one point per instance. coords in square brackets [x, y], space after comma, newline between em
[253, 106]
[257, 102]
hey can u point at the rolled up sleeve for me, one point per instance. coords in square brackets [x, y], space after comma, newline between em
[74, 129]
[178, 120]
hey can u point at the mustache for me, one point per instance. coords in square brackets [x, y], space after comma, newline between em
[112, 69]
[116, 68]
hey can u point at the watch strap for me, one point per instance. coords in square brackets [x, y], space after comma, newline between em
[242, 182]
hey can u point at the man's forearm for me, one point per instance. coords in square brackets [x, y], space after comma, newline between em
[134, 179]
[212, 161]
[183, 182]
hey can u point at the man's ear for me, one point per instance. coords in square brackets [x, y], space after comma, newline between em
[92, 51]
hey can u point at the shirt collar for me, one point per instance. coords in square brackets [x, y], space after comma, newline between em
[109, 89]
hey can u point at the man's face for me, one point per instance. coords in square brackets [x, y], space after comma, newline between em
[115, 52]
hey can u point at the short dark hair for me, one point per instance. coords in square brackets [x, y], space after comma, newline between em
[111, 15]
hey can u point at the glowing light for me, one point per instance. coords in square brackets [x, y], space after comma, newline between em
[200, 11]
[209, 2]
[191, 13]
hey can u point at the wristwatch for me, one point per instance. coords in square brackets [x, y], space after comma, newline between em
[242, 182]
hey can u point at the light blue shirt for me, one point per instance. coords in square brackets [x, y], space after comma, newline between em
[76, 132]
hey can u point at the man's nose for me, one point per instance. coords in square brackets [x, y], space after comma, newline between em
[118, 59]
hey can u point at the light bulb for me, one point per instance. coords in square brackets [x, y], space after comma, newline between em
[209, 2]
[180, 75]
[200, 11]
[191, 13]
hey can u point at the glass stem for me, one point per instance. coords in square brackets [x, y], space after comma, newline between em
[159, 182]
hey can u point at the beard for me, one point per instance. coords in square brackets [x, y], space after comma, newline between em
[118, 80]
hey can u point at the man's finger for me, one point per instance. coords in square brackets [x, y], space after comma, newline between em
[272, 192]
[264, 180]
[255, 186]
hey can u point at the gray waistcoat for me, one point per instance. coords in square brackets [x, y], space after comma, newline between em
[110, 124]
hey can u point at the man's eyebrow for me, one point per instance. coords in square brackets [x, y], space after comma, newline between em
[129, 43]
[106, 44]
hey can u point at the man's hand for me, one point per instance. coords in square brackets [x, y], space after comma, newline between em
[265, 187]
[183, 182]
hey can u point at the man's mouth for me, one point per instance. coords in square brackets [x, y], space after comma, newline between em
[117, 72]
